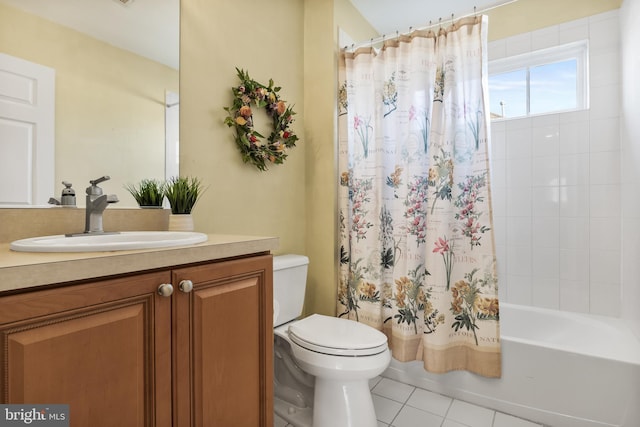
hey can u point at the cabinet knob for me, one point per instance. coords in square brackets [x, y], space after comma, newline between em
[166, 289]
[186, 286]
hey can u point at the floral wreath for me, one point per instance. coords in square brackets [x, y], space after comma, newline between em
[249, 141]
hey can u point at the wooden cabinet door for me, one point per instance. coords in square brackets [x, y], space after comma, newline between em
[223, 346]
[104, 348]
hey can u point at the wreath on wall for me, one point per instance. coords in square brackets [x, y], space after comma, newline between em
[253, 146]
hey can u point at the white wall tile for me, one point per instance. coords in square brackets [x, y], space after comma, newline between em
[519, 201]
[546, 201]
[573, 31]
[519, 172]
[604, 168]
[604, 266]
[519, 289]
[518, 44]
[519, 231]
[604, 134]
[605, 233]
[605, 299]
[497, 49]
[545, 37]
[604, 201]
[498, 177]
[557, 184]
[574, 232]
[518, 143]
[546, 232]
[546, 171]
[545, 140]
[498, 144]
[573, 137]
[546, 265]
[520, 259]
[605, 101]
[574, 264]
[604, 68]
[574, 201]
[546, 292]
[574, 169]
[574, 295]
[604, 33]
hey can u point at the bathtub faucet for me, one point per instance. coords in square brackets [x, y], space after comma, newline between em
[96, 204]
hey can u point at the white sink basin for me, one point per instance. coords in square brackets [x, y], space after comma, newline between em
[109, 242]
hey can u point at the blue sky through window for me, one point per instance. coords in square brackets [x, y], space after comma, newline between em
[552, 87]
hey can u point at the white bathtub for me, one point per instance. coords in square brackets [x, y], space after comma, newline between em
[560, 369]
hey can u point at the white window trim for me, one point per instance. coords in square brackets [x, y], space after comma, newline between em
[576, 50]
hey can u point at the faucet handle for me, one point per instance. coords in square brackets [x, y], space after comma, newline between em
[97, 181]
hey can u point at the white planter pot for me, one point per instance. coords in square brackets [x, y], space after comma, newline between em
[180, 222]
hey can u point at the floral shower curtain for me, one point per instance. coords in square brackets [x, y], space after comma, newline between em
[417, 247]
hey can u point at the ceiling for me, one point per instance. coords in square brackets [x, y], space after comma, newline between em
[389, 16]
[149, 28]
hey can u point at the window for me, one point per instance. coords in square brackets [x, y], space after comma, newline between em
[545, 81]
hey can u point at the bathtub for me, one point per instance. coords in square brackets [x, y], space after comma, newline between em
[560, 369]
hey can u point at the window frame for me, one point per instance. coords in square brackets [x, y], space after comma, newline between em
[576, 50]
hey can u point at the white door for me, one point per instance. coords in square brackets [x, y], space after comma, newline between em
[27, 117]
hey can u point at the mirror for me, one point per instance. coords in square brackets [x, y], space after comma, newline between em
[116, 85]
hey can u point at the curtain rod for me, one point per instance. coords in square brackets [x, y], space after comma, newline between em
[383, 37]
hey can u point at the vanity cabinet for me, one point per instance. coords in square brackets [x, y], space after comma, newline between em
[122, 354]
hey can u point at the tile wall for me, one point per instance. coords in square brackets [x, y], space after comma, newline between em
[556, 184]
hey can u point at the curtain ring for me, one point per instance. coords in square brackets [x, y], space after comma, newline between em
[452, 19]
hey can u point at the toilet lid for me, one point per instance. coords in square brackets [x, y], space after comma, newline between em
[340, 337]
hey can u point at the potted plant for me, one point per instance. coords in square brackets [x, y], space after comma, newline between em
[182, 194]
[149, 193]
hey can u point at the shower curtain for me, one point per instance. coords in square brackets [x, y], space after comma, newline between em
[417, 257]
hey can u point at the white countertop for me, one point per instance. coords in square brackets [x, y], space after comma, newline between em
[21, 270]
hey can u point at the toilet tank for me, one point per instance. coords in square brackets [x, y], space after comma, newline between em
[289, 285]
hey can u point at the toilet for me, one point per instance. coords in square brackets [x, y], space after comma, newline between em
[322, 364]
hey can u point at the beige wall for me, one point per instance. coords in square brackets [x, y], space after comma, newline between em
[109, 103]
[265, 39]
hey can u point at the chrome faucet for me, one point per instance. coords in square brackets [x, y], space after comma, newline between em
[96, 204]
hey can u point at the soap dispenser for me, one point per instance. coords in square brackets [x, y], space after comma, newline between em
[68, 199]
[68, 195]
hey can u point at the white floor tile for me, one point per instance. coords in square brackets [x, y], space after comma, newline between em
[386, 409]
[504, 420]
[381, 424]
[470, 415]
[393, 390]
[430, 402]
[449, 423]
[374, 381]
[412, 417]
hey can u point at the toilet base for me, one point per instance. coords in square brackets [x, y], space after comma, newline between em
[343, 404]
[298, 417]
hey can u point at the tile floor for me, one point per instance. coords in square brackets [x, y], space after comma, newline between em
[402, 405]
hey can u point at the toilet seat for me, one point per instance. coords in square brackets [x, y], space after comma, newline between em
[337, 337]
